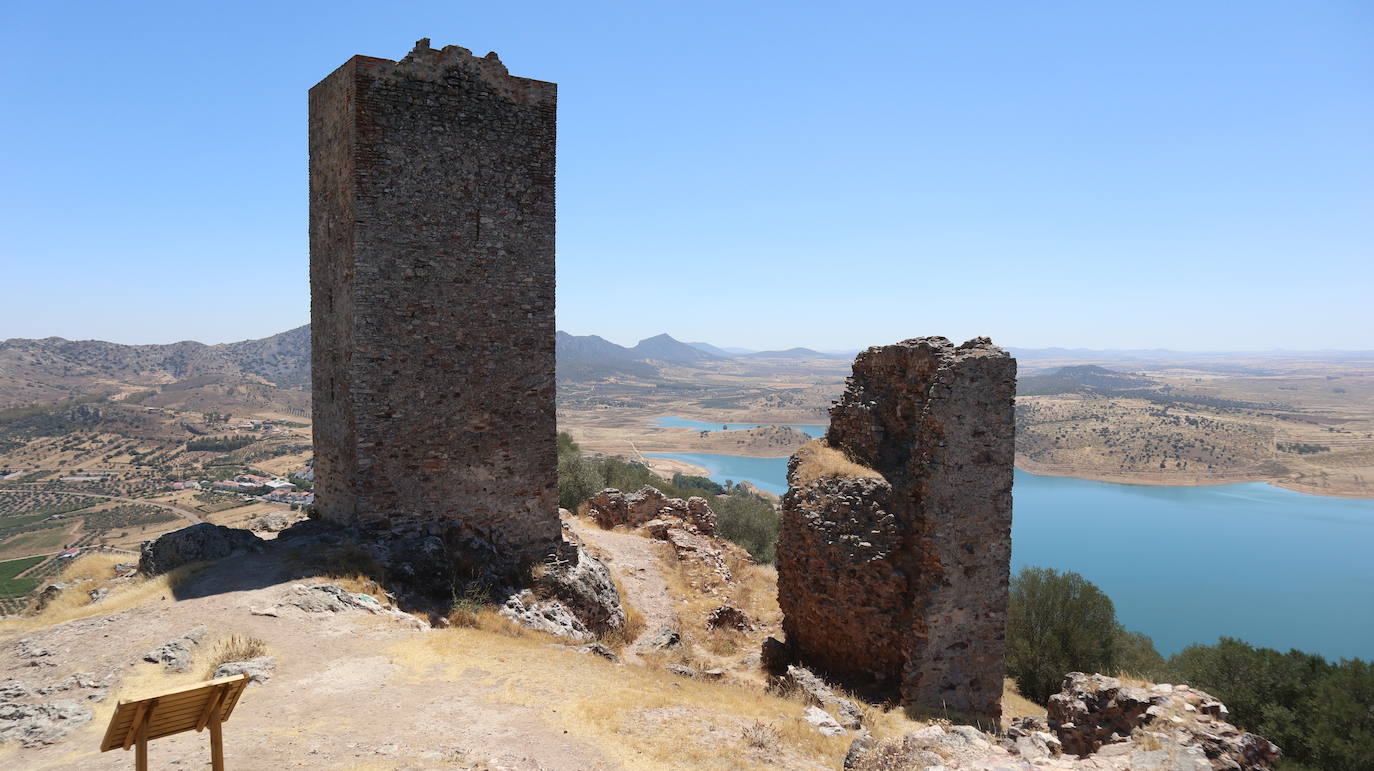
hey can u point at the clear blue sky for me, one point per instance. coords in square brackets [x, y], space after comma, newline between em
[1153, 174]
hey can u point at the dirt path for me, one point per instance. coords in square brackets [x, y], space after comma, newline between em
[183, 513]
[636, 565]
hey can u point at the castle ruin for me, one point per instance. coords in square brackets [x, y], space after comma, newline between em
[894, 555]
[432, 301]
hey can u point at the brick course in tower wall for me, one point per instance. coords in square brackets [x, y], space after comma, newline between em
[898, 586]
[432, 299]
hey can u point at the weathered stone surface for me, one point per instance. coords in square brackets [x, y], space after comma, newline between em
[1098, 714]
[700, 514]
[608, 508]
[728, 617]
[649, 508]
[259, 670]
[545, 616]
[804, 681]
[176, 655]
[37, 724]
[583, 585]
[272, 522]
[201, 542]
[822, 721]
[432, 297]
[895, 581]
[663, 640]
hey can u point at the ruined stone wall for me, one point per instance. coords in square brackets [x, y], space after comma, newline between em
[899, 586]
[432, 299]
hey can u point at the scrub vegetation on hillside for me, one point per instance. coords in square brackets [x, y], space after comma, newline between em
[1320, 713]
[741, 516]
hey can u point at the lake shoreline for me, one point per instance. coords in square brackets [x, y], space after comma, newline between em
[1169, 479]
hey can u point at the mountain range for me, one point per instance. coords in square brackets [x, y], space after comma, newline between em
[53, 368]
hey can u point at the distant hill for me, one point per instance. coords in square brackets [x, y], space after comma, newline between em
[54, 368]
[666, 349]
[588, 357]
[724, 353]
[1085, 378]
[790, 353]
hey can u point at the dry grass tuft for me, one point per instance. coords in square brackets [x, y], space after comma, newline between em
[820, 461]
[759, 735]
[233, 648]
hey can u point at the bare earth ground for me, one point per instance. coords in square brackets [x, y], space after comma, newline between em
[355, 690]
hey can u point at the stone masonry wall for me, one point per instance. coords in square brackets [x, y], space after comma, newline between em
[899, 586]
[432, 299]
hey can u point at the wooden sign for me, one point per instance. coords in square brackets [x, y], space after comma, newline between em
[193, 707]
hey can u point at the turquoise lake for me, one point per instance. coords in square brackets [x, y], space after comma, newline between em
[1270, 566]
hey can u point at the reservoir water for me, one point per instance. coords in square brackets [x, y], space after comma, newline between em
[1270, 566]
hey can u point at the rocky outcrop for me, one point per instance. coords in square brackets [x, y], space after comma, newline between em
[36, 724]
[1095, 714]
[573, 596]
[611, 508]
[584, 586]
[176, 655]
[259, 670]
[197, 543]
[800, 680]
[893, 558]
[700, 515]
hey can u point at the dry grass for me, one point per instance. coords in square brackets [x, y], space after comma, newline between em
[820, 461]
[123, 595]
[640, 717]
[618, 639]
[94, 566]
[1015, 705]
[233, 648]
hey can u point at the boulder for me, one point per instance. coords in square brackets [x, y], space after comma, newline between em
[272, 522]
[1095, 714]
[196, 543]
[176, 655]
[700, 515]
[664, 639]
[259, 670]
[583, 585]
[724, 616]
[803, 681]
[822, 721]
[547, 616]
[645, 503]
[608, 508]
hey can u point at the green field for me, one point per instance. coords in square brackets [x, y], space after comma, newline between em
[18, 587]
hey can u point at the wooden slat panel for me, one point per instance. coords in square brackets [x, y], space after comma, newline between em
[174, 712]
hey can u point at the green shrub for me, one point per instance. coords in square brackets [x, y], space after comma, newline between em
[1057, 623]
[1319, 713]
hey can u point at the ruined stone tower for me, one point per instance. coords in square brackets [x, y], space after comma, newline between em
[432, 300]
[893, 574]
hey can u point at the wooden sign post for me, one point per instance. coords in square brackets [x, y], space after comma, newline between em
[199, 706]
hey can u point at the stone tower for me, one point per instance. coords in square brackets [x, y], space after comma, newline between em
[893, 578]
[432, 300]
